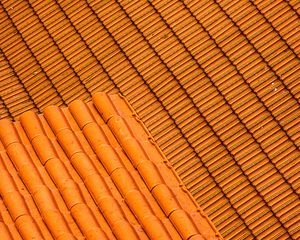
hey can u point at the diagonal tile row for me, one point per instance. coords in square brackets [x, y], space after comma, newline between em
[98, 151]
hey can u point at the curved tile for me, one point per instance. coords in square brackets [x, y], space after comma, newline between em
[33, 181]
[184, 66]
[166, 198]
[127, 178]
[150, 174]
[17, 207]
[4, 232]
[89, 174]
[137, 155]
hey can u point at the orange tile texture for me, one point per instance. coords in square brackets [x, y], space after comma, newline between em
[72, 174]
[216, 82]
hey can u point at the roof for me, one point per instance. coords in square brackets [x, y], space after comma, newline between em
[215, 82]
[73, 174]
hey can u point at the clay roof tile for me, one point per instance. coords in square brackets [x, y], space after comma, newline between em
[106, 175]
[215, 82]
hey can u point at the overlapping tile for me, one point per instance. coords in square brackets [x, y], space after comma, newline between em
[92, 171]
[216, 82]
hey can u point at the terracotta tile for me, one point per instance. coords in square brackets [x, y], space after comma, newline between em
[141, 186]
[8, 133]
[215, 82]
[150, 174]
[69, 142]
[87, 221]
[122, 179]
[146, 160]
[53, 114]
[155, 228]
[101, 147]
[81, 113]
[4, 232]
[25, 222]
[181, 219]
[40, 193]
[196, 237]
[166, 199]
[87, 172]
[17, 207]
[107, 109]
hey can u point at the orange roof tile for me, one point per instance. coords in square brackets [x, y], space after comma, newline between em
[216, 82]
[91, 171]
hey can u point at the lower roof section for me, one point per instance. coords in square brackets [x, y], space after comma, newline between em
[216, 82]
[73, 174]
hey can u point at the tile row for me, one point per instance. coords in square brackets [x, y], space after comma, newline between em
[210, 87]
[167, 211]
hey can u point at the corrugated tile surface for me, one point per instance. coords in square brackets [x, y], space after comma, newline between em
[216, 82]
[72, 174]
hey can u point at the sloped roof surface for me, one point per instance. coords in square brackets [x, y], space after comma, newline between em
[91, 178]
[216, 82]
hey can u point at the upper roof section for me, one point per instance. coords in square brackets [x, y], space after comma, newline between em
[56, 51]
[91, 171]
